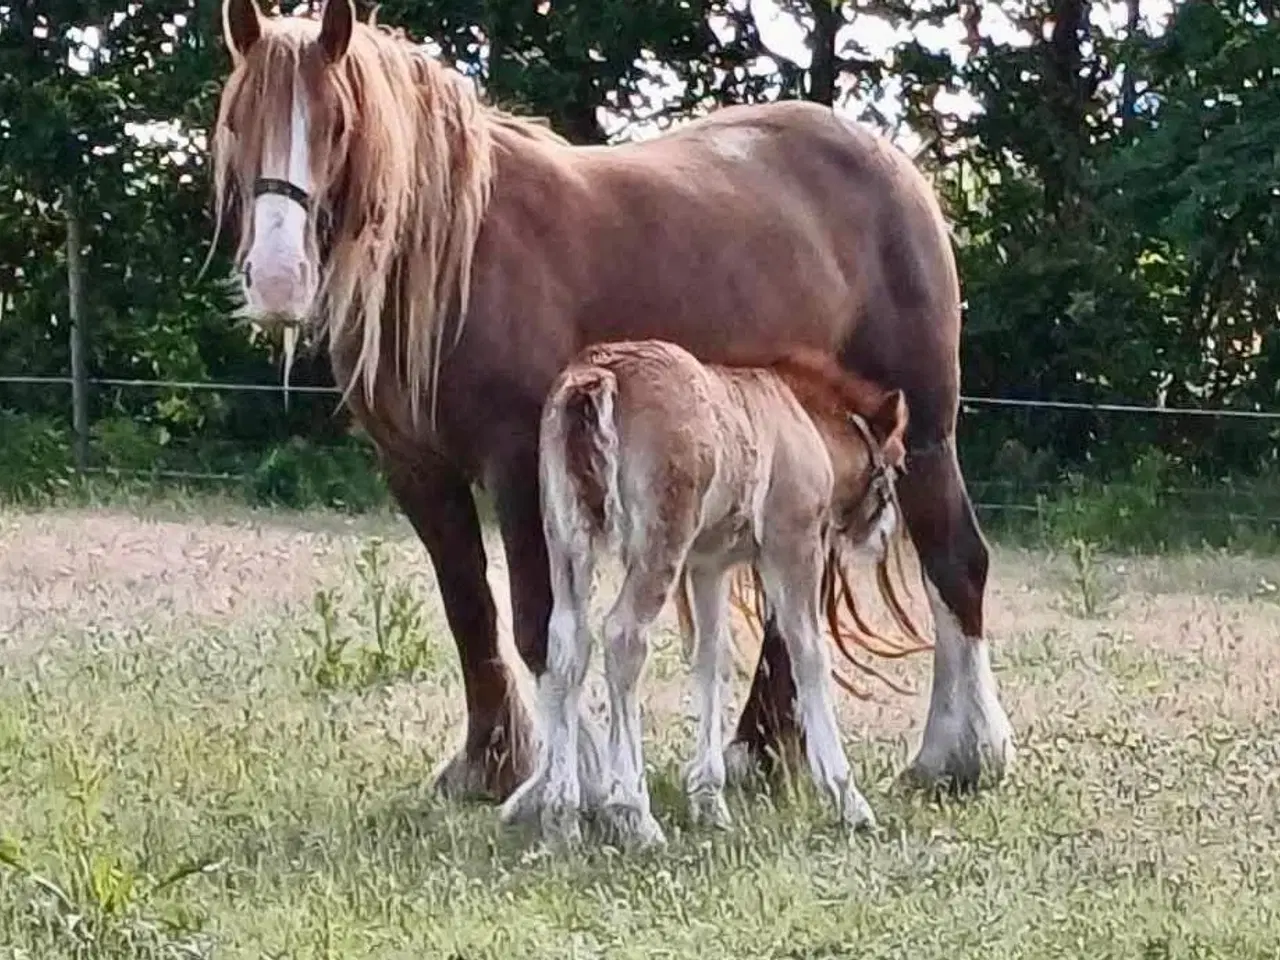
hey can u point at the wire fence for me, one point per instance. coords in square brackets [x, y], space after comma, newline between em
[990, 493]
[965, 400]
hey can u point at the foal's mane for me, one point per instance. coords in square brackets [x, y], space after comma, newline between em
[820, 384]
[404, 181]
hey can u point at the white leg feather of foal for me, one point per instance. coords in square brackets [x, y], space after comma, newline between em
[526, 803]
[627, 805]
[705, 774]
[827, 758]
[811, 669]
[967, 729]
[593, 766]
[568, 654]
[554, 792]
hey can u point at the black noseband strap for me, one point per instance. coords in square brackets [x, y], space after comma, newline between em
[282, 188]
[291, 191]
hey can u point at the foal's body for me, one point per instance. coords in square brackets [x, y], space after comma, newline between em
[685, 467]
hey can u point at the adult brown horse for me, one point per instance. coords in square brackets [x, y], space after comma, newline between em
[454, 258]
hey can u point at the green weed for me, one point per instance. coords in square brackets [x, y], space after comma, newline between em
[380, 638]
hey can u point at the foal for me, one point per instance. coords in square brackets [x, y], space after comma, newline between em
[689, 470]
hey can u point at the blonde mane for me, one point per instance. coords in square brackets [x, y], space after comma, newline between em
[403, 174]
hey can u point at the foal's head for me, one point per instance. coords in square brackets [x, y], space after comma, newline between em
[864, 426]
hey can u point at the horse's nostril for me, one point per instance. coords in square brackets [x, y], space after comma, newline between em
[248, 276]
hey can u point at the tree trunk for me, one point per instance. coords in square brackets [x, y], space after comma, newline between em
[1128, 87]
[577, 121]
[1067, 96]
[824, 67]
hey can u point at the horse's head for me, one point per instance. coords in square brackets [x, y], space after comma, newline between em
[280, 128]
[867, 457]
[359, 171]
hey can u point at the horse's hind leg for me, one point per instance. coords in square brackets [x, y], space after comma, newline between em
[791, 572]
[705, 775]
[645, 589]
[768, 732]
[967, 729]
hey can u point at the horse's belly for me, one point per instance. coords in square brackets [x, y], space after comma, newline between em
[721, 303]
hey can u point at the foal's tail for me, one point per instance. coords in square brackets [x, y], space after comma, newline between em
[579, 451]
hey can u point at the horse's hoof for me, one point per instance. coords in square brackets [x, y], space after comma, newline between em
[967, 737]
[960, 754]
[494, 771]
[463, 779]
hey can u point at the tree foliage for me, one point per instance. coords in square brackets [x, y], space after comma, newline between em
[1112, 188]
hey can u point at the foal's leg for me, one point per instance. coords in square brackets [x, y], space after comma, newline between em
[644, 593]
[437, 500]
[704, 777]
[791, 570]
[554, 789]
[515, 485]
[967, 730]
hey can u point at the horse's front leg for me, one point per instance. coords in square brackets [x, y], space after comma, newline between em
[967, 738]
[496, 754]
[514, 482]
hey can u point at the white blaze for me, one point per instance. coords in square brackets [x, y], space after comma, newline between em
[280, 279]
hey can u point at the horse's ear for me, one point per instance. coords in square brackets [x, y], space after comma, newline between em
[241, 26]
[336, 24]
[889, 424]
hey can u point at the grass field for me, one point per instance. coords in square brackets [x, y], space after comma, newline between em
[163, 710]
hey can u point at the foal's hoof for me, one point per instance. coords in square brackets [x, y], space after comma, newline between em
[742, 764]
[561, 826]
[635, 829]
[707, 808]
[856, 815]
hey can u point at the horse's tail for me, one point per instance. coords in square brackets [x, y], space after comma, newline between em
[580, 452]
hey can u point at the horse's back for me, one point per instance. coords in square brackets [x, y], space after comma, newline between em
[778, 223]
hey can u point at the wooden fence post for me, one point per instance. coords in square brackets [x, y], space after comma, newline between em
[79, 367]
